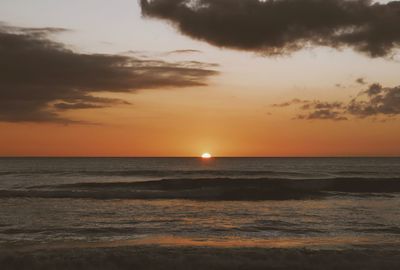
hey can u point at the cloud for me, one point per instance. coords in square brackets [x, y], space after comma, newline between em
[319, 105]
[361, 81]
[373, 89]
[275, 27]
[323, 114]
[322, 110]
[89, 102]
[375, 101]
[184, 51]
[289, 103]
[41, 78]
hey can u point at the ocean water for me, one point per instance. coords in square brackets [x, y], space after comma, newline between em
[320, 203]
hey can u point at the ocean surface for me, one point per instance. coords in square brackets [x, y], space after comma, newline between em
[320, 203]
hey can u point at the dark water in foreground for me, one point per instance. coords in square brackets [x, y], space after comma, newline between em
[320, 203]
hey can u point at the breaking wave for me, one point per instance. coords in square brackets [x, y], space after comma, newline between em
[213, 189]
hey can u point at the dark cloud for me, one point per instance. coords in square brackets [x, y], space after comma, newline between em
[378, 101]
[374, 101]
[374, 89]
[89, 102]
[322, 110]
[39, 77]
[319, 105]
[283, 26]
[184, 51]
[361, 81]
[323, 114]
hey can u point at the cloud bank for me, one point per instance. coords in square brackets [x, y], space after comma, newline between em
[376, 100]
[275, 27]
[41, 78]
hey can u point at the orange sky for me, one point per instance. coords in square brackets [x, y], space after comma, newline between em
[166, 129]
[230, 116]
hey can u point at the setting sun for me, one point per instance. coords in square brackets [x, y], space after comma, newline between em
[200, 134]
[206, 155]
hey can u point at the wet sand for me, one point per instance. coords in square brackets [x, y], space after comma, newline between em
[191, 257]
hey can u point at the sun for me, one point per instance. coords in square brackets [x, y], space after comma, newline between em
[206, 155]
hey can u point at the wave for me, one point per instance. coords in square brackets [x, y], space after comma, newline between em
[200, 173]
[386, 230]
[344, 184]
[212, 189]
[277, 226]
[157, 173]
[70, 230]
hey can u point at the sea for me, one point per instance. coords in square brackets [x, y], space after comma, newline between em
[316, 203]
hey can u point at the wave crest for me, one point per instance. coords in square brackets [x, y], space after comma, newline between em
[212, 189]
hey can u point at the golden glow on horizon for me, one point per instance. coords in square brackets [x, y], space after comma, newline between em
[206, 155]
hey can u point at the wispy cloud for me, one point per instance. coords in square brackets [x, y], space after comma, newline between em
[184, 51]
[290, 103]
[373, 101]
[41, 78]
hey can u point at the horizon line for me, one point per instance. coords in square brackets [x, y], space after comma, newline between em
[199, 157]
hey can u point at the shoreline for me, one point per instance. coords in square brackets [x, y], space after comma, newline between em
[197, 257]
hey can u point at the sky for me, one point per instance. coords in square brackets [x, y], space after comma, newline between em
[183, 77]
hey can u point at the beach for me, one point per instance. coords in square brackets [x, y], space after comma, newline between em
[162, 257]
